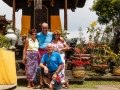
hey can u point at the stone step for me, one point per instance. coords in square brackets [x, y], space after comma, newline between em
[71, 79]
[83, 58]
[20, 72]
[99, 78]
[83, 55]
[68, 73]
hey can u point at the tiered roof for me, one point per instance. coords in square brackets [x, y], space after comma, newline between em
[72, 4]
[3, 20]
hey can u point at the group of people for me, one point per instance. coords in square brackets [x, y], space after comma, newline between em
[44, 54]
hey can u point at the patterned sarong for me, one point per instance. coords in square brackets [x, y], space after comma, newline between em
[32, 58]
[42, 52]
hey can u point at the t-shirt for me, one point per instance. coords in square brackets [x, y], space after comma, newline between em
[53, 61]
[44, 39]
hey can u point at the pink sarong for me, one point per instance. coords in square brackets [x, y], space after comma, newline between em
[42, 52]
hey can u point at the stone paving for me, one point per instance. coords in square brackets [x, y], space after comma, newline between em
[100, 87]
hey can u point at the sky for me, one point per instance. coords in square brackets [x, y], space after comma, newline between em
[82, 17]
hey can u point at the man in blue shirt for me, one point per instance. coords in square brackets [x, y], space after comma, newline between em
[53, 64]
[44, 37]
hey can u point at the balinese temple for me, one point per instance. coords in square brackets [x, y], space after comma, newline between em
[3, 23]
[35, 12]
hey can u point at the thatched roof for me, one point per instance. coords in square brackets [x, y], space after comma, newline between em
[72, 4]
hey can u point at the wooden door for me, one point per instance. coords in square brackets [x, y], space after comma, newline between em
[40, 16]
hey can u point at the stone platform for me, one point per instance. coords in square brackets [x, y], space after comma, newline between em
[22, 78]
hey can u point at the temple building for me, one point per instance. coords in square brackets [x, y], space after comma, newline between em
[35, 12]
[3, 23]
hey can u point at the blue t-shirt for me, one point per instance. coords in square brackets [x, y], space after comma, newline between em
[44, 39]
[53, 61]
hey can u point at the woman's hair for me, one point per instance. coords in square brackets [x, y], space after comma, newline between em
[33, 31]
[56, 32]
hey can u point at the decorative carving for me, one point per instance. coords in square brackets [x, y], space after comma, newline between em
[3, 23]
[3, 20]
[24, 39]
[38, 4]
[41, 15]
[29, 2]
[52, 3]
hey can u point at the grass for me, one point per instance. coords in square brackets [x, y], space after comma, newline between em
[93, 84]
[86, 84]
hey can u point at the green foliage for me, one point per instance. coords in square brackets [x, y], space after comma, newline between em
[93, 84]
[94, 32]
[107, 11]
[9, 26]
[107, 36]
[4, 42]
[64, 33]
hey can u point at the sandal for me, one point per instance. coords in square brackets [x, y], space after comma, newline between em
[35, 87]
[40, 87]
[66, 85]
[28, 86]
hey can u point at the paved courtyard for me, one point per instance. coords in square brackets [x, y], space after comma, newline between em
[100, 87]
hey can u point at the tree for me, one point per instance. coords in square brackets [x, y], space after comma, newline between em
[107, 11]
[94, 32]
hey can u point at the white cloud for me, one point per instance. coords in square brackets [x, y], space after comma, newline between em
[82, 17]
[75, 34]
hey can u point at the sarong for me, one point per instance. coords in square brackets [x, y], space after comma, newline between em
[32, 58]
[42, 52]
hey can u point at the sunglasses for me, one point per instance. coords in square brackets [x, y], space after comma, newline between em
[44, 28]
[56, 34]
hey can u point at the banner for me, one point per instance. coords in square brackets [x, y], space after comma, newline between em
[55, 23]
[25, 25]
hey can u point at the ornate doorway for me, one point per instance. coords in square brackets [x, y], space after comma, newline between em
[40, 16]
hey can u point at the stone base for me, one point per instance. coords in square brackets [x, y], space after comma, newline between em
[22, 78]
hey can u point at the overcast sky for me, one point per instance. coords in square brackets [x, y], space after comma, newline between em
[82, 17]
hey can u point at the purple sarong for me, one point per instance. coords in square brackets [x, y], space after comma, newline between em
[32, 58]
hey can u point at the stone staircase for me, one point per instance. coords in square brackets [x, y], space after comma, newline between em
[22, 78]
[68, 72]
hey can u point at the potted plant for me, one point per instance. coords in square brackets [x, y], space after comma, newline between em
[115, 58]
[116, 68]
[78, 70]
[4, 42]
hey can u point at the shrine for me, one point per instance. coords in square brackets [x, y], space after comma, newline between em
[3, 23]
[35, 12]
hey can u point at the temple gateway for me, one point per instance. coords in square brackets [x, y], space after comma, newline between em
[35, 12]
